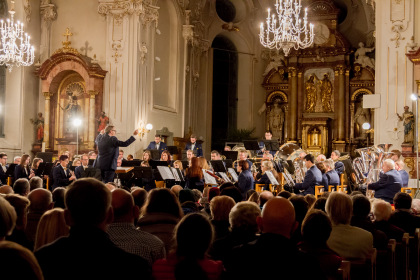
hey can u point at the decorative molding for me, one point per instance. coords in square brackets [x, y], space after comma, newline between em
[398, 29]
[28, 10]
[48, 13]
[143, 52]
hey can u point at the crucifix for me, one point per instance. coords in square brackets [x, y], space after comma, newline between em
[67, 43]
[86, 48]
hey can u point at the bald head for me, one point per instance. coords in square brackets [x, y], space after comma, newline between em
[278, 216]
[264, 197]
[123, 204]
[175, 189]
[41, 200]
[5, 189]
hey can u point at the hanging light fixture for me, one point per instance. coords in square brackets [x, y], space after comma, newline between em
[286, 30]
[15, 48]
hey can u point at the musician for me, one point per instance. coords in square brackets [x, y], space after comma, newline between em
[338, 166]
[147, 156]
[389, 182]
[78, 172]
[62, 176]
[267, 165]
[178, 165]
[16, 159]
[243, 155]
[157, 145]
[3, 168]
[227, 148]
[313, 177]
[245, 179]
[166, 156]
[92, 155]
[194, 146]
[121, 155]
[190, 155]
[332, 177]
[321, 158]
[23, 170]
[267, 136]
[194, 178]
[108, 147]
[399, 166]
[215, 155]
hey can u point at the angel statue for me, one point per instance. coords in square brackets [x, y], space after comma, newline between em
[362, 58]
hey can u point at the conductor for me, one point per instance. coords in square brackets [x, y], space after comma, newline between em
[108, 151]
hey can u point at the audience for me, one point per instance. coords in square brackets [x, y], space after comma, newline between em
[381, 211]
[7, 218]
[402, 217]
[188, 261]
[35, 183]
[88, 252]
[21, 187]
[264, 197]
[5, 189]
[58, 197]
[139, 196]
[348, 241]
[320, 204]
[51, 226]
[220, 207]
[301, 208]
[415, 206]
[20, 203]
[124, 234]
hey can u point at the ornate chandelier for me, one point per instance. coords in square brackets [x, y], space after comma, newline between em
[15, 48]
[287, 30]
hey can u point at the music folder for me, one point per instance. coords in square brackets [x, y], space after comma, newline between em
[232, 155]
[155, 163]
[131, 163]
[92, 172]
[165, 172]
[271, 145]
[208, 179]
[155, 154]
[251, 145]
[144, 172]
[271, 177]
[177, 174]
[218, 165]
[233, 174]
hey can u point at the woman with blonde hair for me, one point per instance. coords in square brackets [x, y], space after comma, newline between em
[147, 157]
[51, 226]
[267, 165]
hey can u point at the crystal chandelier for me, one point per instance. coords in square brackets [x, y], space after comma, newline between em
[287, 30]
[15, 48]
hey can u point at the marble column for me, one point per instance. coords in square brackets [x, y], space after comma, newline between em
[47, 96]
[48, 14]
[293, 105]
[91, 132]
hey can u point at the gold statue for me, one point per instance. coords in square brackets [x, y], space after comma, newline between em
[310, 89]
[326, 93]
[408, 122]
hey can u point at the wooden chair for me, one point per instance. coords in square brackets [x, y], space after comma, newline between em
[385, 262]
[343, 272]
[318, 190]
[402, 258]
[364, 269]
[414, 248]
[48, 183]
[259, 187]
[410, 191]
[160, 184]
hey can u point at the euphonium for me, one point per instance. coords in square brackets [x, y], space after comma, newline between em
[288, 178]
[300, 170]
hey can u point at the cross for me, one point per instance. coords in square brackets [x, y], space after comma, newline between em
[67, 34]
[86, 48]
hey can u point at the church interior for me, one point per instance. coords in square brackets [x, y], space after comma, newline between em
[198, 67]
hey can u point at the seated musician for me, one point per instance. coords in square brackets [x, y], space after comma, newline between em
[23, 170]
[157, 145]
[62, 176]
[166, 156]
[194, 178]
[313, 177]
[267, 165]
[84, 164]
[147, 156]
[389, 183]
[245, 179]
[243, 155]
[178, 165]
[399, 166]
[338, 166]
[332, 177]
[267, 136]
[194, 146]
[190, 155]
[3, 168]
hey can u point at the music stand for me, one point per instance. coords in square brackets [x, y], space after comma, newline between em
[173, 150]
[228, 162]
[46, 156]
[91, 161]
[251, 145]
[48, 168]
[155, 163]
[131, 163]
[92, 172]
[155, 154]
[10, 172]
[184, 155]
[143, 172]
[218, 166]
[184, 164]
[271, 145]
[40, 169]
[232, 155]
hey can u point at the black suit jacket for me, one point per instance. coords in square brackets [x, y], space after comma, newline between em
[20, 172]
[387, 186]
[78, 172]
[108, 147]
[3, 177]
[60, 177]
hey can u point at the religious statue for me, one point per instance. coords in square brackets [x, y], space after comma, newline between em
[361, 57]
[310, 90]
[103, 121]
[276, 62]
[276, 120]
[326, 93]
[72, 108]
[408, 121]
[39, 124]
[360, 117]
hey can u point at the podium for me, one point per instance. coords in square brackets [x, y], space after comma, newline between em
[122, 170]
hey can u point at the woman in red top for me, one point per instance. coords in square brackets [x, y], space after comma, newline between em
[193, 235]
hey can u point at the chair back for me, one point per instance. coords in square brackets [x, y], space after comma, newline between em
[402, 258]
[414, 248]
[364, 269]
[385, 262]
[343, 272]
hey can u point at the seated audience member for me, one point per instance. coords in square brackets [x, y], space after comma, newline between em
[415, 206]
[399, 166]
[233, 192]
[272, 253]
[348, 241]
[58, 197]
[193, 238]
[338, 165]
[139, 195]
[313, 177]
[316, 229]
[245, 179]
[7, 218]
[361, 219]
[20, 203]
[310, 198]
[62, 176]
[301, 208]
[332, 176]
[220, 207]
[51, 226]
[35, 183]
[389, 182]
[40, 202]
[381, 211]
[21, 187]
[5, 189]
[160, 214]
[176, 189]
[264, 197]
[250, 193]
[285, 194]
[88, 247]
[320, 204]
[255, 197]
[18, 262]
[402, 217]
[126, 236]
[244, 227]
[184, 197]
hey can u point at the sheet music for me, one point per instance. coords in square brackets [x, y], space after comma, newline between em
[224, 176]
[208, 179]
[165, 172]
[175, 173]
[272, 178]
[233, 174]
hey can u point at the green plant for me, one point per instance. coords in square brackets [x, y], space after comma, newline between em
[237, 135]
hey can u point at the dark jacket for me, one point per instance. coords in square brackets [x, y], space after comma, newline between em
[198, 149]
[405, 220]
[388, 185]
[162, 146]
[78, 172]
[60, 177]
[108, 151]
[3, 177]
[20, 172]
[245, 182]
[313, 177]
